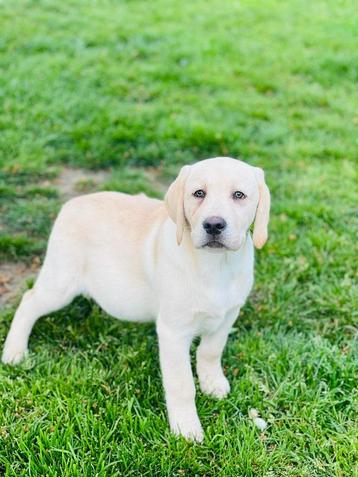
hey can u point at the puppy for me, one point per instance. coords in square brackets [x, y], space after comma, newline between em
[187, 263]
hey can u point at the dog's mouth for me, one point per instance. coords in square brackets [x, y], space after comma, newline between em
[214, 244]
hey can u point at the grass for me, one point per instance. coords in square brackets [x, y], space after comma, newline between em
[127, 85]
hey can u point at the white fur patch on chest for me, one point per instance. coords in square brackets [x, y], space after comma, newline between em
[206, 323]
[214, 306]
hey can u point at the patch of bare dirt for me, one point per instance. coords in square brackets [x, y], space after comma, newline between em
[13, 277]
[72, 182]
[154, 175]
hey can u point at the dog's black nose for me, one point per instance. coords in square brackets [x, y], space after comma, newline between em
[214, 225]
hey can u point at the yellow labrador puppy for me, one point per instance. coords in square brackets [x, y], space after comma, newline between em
[186, 262]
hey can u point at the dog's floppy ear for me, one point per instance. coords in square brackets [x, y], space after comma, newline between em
[263, 210]
[174, 201]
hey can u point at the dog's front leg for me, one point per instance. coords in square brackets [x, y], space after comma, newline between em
[178, 382]
[208, 360]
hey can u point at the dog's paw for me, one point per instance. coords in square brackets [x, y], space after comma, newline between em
[215, 385]
[190, 429]
[13, 353]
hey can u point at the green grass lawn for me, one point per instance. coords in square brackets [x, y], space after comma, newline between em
[129, 85]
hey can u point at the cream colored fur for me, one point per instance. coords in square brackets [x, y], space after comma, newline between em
[141, 259]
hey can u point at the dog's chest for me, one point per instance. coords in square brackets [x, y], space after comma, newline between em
[216, 297]
[212, 305]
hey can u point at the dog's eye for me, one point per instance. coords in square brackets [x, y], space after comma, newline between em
[200, 194]
[238, 195]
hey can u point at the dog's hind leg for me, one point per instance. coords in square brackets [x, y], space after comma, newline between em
[56, 286]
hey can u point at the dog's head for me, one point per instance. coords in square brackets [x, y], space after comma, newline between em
[218, 199]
